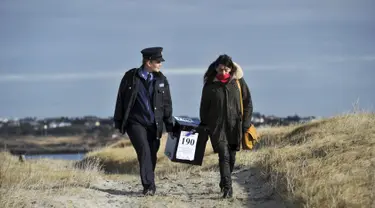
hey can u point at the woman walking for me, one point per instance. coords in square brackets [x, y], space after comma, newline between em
[220, 113]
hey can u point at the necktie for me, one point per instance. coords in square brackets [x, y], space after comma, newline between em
[148, 80]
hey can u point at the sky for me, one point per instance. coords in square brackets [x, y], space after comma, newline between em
[66, 58]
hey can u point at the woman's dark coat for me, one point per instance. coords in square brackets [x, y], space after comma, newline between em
[220, 110]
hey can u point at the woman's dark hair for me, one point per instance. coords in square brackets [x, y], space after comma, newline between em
[222, 59]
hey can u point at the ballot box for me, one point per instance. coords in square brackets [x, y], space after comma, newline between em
[182, 145]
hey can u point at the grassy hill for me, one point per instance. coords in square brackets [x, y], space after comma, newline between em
[328, 163]
[325, 163]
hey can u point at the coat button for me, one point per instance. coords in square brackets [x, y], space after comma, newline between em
[155, 108]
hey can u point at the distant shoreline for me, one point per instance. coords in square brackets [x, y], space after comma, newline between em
[53, 145]
[46, 152]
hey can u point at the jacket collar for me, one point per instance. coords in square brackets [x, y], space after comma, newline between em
[237, 75]
[143, 73]
[155, 75]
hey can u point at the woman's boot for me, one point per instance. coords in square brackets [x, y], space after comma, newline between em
[228, 192]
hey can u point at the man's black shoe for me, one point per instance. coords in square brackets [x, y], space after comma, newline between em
[228, 193]
[221, 187]
[149, 191]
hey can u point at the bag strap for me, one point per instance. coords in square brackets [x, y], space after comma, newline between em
[239, 87]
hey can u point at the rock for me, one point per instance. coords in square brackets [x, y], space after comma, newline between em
[21, 158]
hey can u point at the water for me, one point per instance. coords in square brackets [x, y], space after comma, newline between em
[75, 156]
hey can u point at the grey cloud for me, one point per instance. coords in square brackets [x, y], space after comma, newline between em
[115, 74]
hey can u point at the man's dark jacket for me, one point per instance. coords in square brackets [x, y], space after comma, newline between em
[161, 101]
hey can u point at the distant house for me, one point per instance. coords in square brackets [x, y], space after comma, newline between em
[92, 124]
[64, 124]
[53, 124]
[97, 123]
[307, 119]
[258, 120]
[34, 124]
[14, 123]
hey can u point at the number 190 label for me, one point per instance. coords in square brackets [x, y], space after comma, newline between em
[188, 141]
[186, 146]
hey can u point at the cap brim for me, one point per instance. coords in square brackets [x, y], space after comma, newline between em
[160, 59]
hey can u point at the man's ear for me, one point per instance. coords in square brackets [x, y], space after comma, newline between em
[147, 63]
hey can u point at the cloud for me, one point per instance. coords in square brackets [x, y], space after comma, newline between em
[342, 59]
[35, 77]
[366, 58]
[25, 77]
[57, 76]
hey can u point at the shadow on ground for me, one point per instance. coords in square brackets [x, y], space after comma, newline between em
[119, 192]
[259, 189]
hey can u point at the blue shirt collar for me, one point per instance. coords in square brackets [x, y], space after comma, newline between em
[143, 73]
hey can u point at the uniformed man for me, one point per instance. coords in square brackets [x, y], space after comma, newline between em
[143, 105]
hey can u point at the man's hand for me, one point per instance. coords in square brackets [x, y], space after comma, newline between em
[117, 131]
[244, 129]
[201, 128]
[174, 130]
[191, 132]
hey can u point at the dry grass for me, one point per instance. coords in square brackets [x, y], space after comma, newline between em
[122, 158]
[21, 183]
[55, 140]
[328, 163]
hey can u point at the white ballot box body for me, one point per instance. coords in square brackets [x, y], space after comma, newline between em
[184, 147]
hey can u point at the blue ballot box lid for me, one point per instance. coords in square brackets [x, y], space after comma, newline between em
[187, 121]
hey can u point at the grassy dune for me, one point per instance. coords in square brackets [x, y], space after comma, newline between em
[21, 183]
[326, 163]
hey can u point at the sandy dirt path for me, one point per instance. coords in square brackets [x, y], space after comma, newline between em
[180, 190]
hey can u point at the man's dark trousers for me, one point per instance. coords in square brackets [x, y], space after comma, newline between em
[146, 145]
